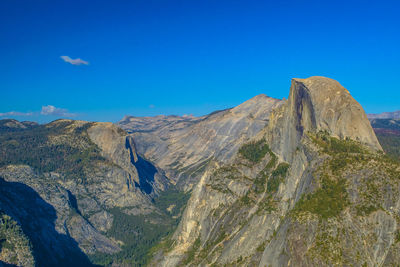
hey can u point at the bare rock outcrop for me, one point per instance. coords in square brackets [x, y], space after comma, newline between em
[115, 146]
[319, 104]
[183, 146]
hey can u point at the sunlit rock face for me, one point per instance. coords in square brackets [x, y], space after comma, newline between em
[311, 188]
[319, 104]
[183, 146]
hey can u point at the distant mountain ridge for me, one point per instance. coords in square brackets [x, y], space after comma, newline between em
[183, 146]
[385, 115]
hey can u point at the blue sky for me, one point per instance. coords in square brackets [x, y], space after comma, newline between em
[189, 57]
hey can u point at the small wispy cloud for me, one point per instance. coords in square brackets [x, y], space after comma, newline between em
[48, 110]
[152, 106]
[76, 61]
[16, 113]
[53, 111]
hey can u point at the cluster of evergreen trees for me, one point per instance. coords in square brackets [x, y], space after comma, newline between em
[33, 147]
[255, 151]
[140, 233]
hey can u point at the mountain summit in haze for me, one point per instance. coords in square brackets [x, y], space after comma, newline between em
[385, 115]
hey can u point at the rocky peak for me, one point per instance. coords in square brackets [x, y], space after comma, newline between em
[320, 104]
[115, 145]
[183, 146]
[119, 147]
[259, 106]
[14, 125]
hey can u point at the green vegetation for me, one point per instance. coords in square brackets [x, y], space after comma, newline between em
[246, 200]
[254, 151]
[261, 247]
[371, 195]
[220, 177]
[397, 236]
[194, 169]
[140, 234]
[390, 144]
[208, 246]
[6, 123]
[270, 177]
[332, 145]
[350, 155]
[165, 245]
[277, 177]
[343, 152]
[261, 179]
[14, 241]
[281, 170]
[192, 252]
[365, 210]
[172, 197]
[227, 172]
[34, 147]
[272, 162]
[386, 124]
[259, 182]
[6, 226]
[222, 188]
[327, 201]
[327, 246]
[338, 163]
[388, 133]
[267, 204]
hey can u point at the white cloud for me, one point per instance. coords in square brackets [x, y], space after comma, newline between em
[16, 113]
[53, 111]
[48, 110]
[76, 61]
[152, 106]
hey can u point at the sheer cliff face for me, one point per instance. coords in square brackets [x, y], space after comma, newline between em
[119, 148]
[184, 146]
[312, 188]
[319, 104]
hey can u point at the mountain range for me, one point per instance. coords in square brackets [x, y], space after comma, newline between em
[311, 180]
[385, 115]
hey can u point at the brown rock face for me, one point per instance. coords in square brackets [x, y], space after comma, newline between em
[333, 109]
[319, 104]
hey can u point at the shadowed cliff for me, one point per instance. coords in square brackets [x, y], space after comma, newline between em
[37, 219]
